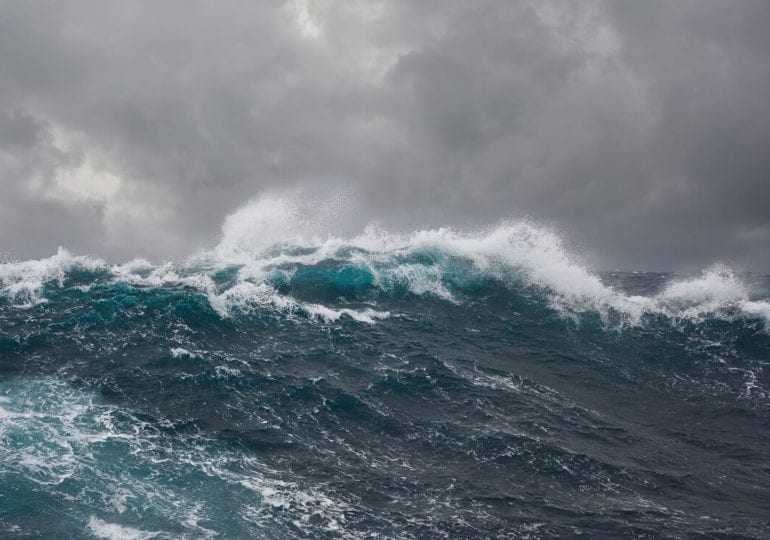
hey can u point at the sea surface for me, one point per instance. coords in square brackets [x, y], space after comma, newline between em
[436, 384]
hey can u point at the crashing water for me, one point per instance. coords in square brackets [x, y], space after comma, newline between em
[289, 383]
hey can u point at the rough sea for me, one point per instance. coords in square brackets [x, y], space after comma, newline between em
[435, 384]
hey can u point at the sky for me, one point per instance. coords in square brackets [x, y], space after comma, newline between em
[639, 130]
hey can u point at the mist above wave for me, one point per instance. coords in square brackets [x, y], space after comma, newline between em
[269, 240]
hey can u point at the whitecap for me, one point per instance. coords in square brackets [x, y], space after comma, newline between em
[113, 531]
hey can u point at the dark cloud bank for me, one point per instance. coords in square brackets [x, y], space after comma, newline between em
[641, 130]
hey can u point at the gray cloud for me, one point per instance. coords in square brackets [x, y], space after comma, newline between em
[638, 129]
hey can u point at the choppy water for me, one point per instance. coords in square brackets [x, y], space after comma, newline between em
[436, 384]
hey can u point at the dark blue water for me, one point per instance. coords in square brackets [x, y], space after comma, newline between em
[413, 392]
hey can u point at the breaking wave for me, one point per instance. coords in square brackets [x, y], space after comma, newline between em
[271, 251]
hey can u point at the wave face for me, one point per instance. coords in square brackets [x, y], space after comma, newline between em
[295, 383]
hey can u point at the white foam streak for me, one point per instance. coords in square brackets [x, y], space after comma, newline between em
[246, 296]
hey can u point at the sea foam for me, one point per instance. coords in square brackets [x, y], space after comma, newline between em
[79, 447]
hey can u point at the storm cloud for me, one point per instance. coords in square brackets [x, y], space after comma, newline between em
[641, 130]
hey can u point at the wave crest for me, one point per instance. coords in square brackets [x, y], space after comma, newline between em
[268, 246]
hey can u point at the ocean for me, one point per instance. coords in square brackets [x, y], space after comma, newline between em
[433, 384]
